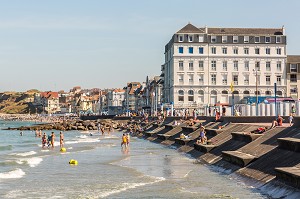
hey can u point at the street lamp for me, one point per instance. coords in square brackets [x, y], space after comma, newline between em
[256, 90]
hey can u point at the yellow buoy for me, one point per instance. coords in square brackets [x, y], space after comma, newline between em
[73, 162]
[63, 149]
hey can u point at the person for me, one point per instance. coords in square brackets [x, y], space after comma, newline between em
[293, 110]
[223, 111]
[277, 122]
[209, 111]
[217, 115]
[44, 140]
[291, 119]
[21, 133]
[52, 139]
[182, 136]
[61, 139]
[202, 137]
[124, 140]
[98, 127]
[49, 140]
[127, 139]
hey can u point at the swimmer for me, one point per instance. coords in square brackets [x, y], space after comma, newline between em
[44, 140]
[21, 133]
[52, 139]
[61, 139]
[124, 140]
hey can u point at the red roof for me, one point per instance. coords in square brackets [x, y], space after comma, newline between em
[49, 94]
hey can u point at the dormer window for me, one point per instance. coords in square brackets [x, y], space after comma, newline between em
[191, 38]
[257, 40]
[213, 39]
[268, 39]
[224, 39]
[180, 38]
[278, 39]
[235, 39]
[246, 39]
[201, 38]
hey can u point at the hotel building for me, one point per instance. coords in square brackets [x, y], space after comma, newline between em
[202, 63]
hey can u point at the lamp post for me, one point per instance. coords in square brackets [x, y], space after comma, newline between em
[256, 89]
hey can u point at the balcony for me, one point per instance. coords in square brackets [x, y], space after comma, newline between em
[246, 82]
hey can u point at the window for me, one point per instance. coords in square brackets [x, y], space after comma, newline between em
[235, 39]
[191, 50]
[279, 66]
[246, 80]
[257, 65]
[294, 90]
[235, 51]
[180, 78]
[213, 39]
[224, 79]
[257, 51]
[246, 51]
[293, 78]
[191, 65]
[278, 39]
[224, 39]
[268, 51]
[200, 50]
[180, 65]
[201, 79]
[213, 50]
[191, 38]
[180, 50]
[278, 79]
[235, 65]
[213, 65]
[268, 80]
[293, 68]
[246, 65]
[190, 95]
[180, 96]
[268, 66]
[268, 93]
[213, 79]
[268, 39]
[256, 39]
[224, 65]
[224, 50]
[278, 50]
[191, 79]
[201, 38]
[201, 65]
[180, 38]
[246, 39]
[235, 79]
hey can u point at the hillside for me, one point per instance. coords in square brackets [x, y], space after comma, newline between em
[17, 102]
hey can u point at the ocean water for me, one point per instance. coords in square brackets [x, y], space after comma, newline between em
[104, 170]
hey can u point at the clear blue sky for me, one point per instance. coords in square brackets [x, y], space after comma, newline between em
[58, 44]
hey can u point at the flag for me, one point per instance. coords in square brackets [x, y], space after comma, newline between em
[231, 87]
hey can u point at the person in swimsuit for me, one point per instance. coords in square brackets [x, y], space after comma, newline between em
[124, 140]
[52, 139]
[44, 140]
[61, 139]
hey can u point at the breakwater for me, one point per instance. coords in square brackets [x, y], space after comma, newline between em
[271, 157]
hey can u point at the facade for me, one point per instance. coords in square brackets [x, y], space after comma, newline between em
[130, 101]
[202, 63]
[293, 76]
[115, 99]
[49, 101]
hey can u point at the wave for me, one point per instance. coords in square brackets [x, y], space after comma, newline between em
[24, 154]
[126, 186]
[71, 142]
[82, 136]
[6, 148]
[17, 173]
[32, 162]
[88, 141]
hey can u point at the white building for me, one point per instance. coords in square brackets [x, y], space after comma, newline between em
[202, 63]
[115, 99]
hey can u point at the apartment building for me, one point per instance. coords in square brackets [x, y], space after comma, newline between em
[202, 63]
[293, 75]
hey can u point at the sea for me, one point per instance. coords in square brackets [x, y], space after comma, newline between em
[105, 170]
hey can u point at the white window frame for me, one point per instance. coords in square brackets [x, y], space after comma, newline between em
[201, 79]
[224, 65]
[268, 80]
[255, 39]
[180, 36]
[180, 65]
[293, 68]
[246, 51]
[236, 65]
[268, 66]
[190, 38]
[278, 51]
[246, 65]
[213, 78]
[237, 79]
[201, 38]
[213, 50]
[278, 65]
[224, 50]
[246, 39]
[213, 65]
[224, 79]
[236, 50]
[269, 39]
[278, 39]
[235, 39]
[257, 51]
[213, 39]
[224, 39]
[201, 65]
[268, 51]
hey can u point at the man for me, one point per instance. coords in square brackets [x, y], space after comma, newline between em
[223, 111]
[279, 120]
[61, 139]
[52, 139]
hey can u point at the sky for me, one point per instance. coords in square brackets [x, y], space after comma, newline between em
[58, 44]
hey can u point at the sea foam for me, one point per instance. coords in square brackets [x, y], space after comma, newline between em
[17, 173]
[25, 153]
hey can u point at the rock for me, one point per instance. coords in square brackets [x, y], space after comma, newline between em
[74, 127]
[80, 128]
